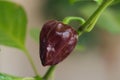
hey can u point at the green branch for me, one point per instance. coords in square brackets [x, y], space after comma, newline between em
[50, 73]
[90, 23]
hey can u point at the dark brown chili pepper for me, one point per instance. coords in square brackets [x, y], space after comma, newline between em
[57, 40]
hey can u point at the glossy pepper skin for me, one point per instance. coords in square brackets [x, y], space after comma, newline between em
[57, 40]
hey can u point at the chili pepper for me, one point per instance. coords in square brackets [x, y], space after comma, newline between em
[57, 40]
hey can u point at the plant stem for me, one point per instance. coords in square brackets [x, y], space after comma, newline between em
[90, 23]
[49, 73]
[67, 20]
[31, 61]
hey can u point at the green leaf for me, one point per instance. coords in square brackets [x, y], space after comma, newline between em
[13, 23]
[80, 47]
[4, 76]
[34, 33]
[74, 1]
[115, 2]
[38, 78]
[97, 1]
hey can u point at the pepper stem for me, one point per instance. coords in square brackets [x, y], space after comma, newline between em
[67, 20]
[50, 73]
